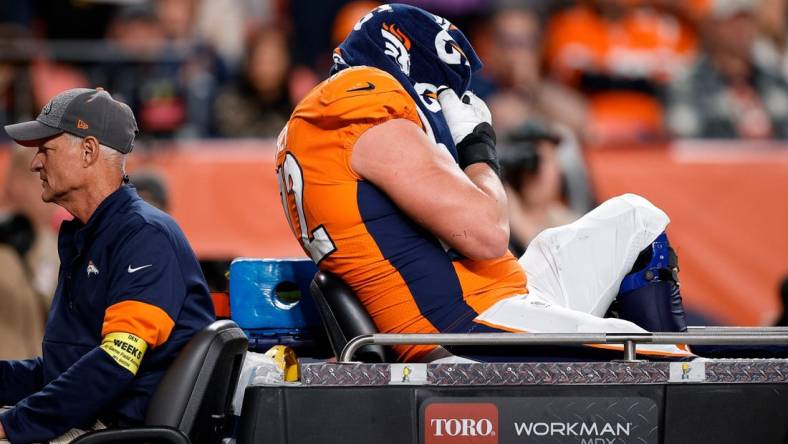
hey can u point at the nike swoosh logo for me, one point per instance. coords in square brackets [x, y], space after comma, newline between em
[370, 86]
[134, 270]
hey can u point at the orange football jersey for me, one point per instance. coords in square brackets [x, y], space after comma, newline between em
[406, 280]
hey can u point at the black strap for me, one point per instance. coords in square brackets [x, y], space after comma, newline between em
[479, 146]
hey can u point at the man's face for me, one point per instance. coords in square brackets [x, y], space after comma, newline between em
[734, 35]
[517, 49]
[58, 163]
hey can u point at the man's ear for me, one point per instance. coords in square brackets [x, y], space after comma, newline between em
[89, 149]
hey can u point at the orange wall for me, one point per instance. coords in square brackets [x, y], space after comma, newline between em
[727, 203]
[226, 198]
[729, 213]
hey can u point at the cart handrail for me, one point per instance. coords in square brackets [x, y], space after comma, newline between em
[694, 335]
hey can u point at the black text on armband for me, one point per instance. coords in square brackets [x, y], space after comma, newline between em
[126, 349]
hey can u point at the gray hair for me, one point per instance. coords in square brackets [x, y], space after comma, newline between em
[113, 156]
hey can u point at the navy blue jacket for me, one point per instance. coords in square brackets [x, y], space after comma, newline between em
[129, 269]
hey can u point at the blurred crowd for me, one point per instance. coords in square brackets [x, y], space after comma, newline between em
[607, 70]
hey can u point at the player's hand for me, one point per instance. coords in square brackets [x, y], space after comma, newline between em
[471, 128]
[462, 114]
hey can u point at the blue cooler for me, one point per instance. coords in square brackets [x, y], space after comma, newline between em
[270, 300]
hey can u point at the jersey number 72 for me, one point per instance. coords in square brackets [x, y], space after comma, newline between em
[291, 185]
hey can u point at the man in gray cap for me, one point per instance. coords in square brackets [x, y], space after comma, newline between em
[130, 291]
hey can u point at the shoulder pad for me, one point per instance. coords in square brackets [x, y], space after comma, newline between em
[358, 81]
[356, 94]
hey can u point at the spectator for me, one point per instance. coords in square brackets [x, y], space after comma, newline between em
[221, 25]
[22, 316]
[23, 194]
[725, 94]
[532, 180]
[16, 92]
[513, 63]
[259, 104]
[28, 258]
[177, 17]
[770, 49]
[19, 13]
[168, 77]
[522, 93]
[152, 189]
[620, 54]
[137, 32]
[143, 76]
[310, 26]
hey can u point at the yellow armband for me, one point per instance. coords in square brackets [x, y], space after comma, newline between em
[126, 349]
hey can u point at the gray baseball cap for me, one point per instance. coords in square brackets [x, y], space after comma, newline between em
[82, 112]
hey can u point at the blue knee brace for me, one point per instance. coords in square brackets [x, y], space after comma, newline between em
[649, 295]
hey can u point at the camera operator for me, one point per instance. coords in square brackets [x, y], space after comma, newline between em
[533, 182]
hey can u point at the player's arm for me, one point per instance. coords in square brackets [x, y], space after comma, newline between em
[467, 210]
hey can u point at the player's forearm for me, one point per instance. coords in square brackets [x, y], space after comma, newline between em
[469, 121]
[491, 216]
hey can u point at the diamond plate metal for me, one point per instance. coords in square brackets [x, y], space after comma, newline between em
[345, 374]
[756, 371]
[544, 373]
[539, 373]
